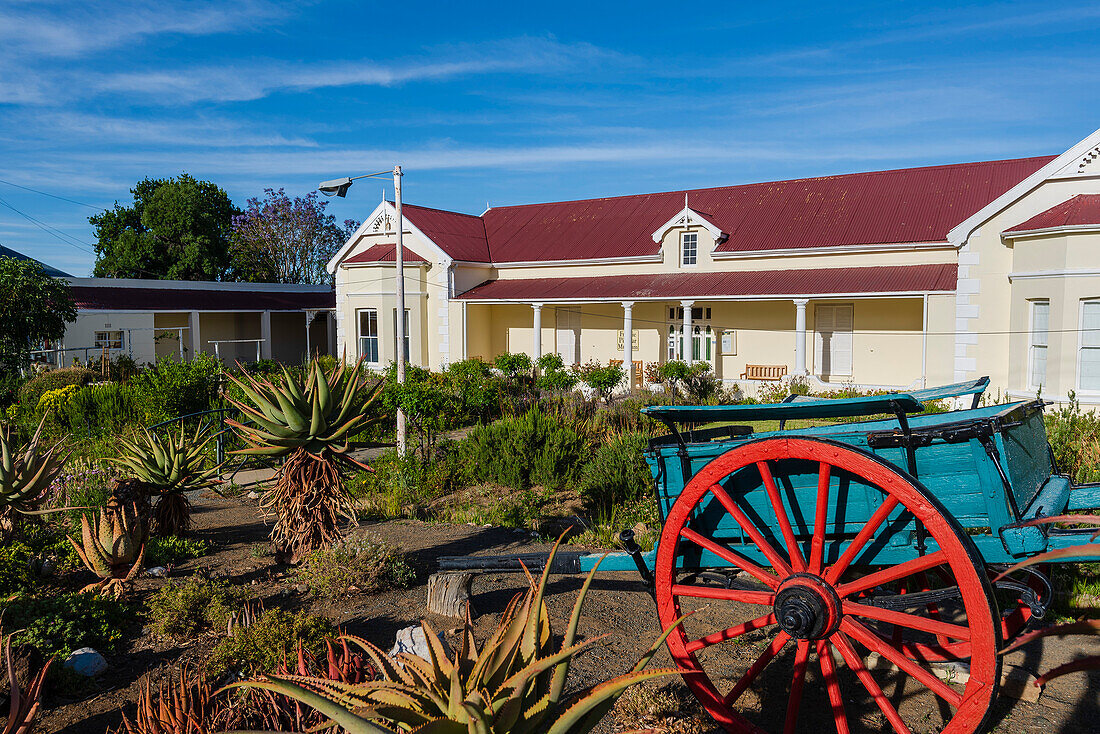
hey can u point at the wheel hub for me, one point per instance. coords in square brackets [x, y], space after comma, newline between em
[806, 607]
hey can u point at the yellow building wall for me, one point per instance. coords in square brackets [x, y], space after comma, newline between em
[167, 342]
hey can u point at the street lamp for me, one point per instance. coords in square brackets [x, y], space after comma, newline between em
[339, 187]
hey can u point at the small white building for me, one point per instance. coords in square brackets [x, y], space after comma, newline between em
[147, 319]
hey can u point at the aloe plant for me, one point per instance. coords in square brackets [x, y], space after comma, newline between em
[307, 424]
[169, 468]
[26, 472]
[23, 703]
[182, 706]
[112, 546]
[514, 683]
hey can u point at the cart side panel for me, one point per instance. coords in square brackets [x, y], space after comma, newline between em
[1025, 457]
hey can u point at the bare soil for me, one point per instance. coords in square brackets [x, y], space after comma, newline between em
[617, 605]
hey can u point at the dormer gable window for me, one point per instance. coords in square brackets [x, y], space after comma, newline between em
[689, 248]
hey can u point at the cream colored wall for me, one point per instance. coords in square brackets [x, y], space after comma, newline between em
[168, 343]
[991, 306]
[217, 326]
[940, 355]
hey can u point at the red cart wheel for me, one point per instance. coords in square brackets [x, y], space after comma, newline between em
[803, 602]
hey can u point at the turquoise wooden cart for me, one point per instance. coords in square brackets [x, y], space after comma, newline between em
[844, 573]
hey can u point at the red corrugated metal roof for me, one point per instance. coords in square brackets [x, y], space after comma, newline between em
[189, 299]
[1082, 209]
[882, 207]
[808, 282]
[462, 236]
[384, 254]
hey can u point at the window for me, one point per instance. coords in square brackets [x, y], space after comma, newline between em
[1037, 347]
[689, 248]
[833, 339]
[1089, 361]
[702, 336]
[108, 340]
[368, 335]
[406, 325]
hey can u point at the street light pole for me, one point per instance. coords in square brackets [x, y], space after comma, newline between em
[339, 187]
[400, 319]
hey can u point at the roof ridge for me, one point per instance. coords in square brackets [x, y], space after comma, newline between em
[437, 209]
[778, 181]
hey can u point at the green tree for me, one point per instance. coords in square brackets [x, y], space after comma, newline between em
[33, 308]
[176, 229]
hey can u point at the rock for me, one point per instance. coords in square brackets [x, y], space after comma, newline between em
[253, 495]
[411, 641]
[302, 588]
[157, 572]
[86, 661]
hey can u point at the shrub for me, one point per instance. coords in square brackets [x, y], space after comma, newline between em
[171, 549]
[360, 563]
[551, 362]
[477, 393]
[427, 401]
[32, 390]
[261, 646]
[695, 381]
[513, 366]
[553, 376]
[60, 623]
[1074, 437]
[181, 608]
[522, 451]
[601, 379]
[56, 401]
[616, 472]
[170, 389]
[109, 406]
[397, 483]
[15, 567]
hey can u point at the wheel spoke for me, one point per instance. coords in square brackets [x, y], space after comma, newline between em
[732, 556]
[754, 670]
[861, 539]
[751, 530]
[817, 544]
[836, 700]
[798, 563]
[892, 573]
[801, 656]
[912, 621]
[730, 633]
[856, 664]
[745, 596]
[876, 644]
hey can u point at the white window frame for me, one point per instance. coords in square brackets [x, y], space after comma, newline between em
[1081, 345]
[111, 343]
[684, 249]
[376, 337]
[1032, 346]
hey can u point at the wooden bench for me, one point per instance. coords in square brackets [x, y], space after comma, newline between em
[766, 372]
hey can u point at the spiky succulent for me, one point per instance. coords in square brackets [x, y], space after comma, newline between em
[167, 468]
[182, 706]
[317, 416]
[26, 473]
[514, 683]
[307, 423]
[23, 703]
[112, 546]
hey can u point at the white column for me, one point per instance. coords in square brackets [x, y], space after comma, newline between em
[265, 334]
[310, 315]
[628, 343]
[800, 335]
[196, 336]
[688, 351]
[536, 340]
[330, 329]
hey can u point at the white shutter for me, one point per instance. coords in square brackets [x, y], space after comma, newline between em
[833, 339]
[1090, 346]
[568, 335]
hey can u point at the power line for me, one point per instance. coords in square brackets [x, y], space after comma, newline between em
[52, 196]
[52, 231]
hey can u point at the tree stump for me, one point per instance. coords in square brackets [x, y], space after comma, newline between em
[449, 594]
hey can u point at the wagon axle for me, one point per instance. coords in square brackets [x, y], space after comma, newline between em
[807, 607]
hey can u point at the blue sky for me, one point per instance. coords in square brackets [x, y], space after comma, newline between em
[514, 102]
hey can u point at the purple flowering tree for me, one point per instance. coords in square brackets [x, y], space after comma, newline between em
[282, 240]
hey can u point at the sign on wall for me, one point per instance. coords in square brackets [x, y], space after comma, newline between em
[729, 342]
[633, 340]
